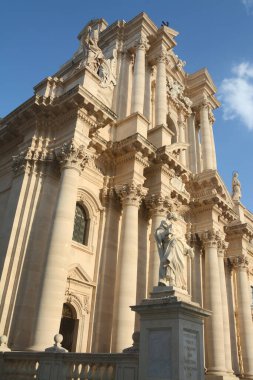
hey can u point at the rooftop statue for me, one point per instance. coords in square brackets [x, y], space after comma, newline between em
[93, 55]
[172, 249]
[236, 188]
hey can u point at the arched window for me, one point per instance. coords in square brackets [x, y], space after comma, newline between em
[81, 225]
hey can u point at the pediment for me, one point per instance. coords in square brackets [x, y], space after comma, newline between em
[77, 273]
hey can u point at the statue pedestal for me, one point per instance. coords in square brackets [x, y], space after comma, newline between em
[170, 291]
[171, 336]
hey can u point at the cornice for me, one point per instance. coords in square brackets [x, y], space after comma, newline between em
[167, 155]
[240, 230]
[136, 143]
[207, 188]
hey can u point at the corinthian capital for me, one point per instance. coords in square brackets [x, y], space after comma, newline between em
[131, 194]
[72, 155]
[158, 204]
[211, 238]
[239, 262]
[162, 57]
[142, 43]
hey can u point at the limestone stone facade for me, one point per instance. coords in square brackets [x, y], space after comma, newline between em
[106, 147]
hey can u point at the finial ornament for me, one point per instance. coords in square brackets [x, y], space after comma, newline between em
[57, 347]
[236, 188]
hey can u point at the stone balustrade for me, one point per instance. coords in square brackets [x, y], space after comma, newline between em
[67, 366]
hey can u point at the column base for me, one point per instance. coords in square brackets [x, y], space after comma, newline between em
[225, 376]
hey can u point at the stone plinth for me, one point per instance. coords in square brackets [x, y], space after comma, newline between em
[160, 135]
[171, 337]
[168, 291]
[135, 123]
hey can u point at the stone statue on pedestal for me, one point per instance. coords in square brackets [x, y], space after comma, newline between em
[236, 188]
[172, 249]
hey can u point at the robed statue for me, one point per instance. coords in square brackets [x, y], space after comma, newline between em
[236, 188]
[172, 249]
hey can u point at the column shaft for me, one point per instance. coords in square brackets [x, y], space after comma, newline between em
[128, 252]
[244, 316]
[161, 93]
[55, 275]
[192, 141]
[139, 78]
[213, 325]
[127, 274]
[206, 140]
[226, 324]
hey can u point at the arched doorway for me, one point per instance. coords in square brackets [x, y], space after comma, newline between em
[69, 327]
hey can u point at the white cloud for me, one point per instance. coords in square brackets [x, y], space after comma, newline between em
[236, 94]
[248, 5]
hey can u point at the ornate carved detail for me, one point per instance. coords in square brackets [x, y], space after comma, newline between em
[142, 43]
[82, 300]
[108, 191]
[211, 238]
[162, 57]
[32, 158]
[222, 248]
[72, 155]
[180, 63]
[131, 194]
[159, 204]
[176, 93]
[239, 262]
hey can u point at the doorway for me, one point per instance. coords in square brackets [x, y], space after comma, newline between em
[69, 327]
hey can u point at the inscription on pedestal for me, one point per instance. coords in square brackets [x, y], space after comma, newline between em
[159, 354]
[190, 347]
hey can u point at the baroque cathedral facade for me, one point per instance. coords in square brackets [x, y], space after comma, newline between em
[90, 165]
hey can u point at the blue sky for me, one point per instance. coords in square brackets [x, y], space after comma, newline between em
[38, 36]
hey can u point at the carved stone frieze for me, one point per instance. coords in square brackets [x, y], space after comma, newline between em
[107, 192]
[34, 157]
[176, 91]
[131, 194]
[72, 155]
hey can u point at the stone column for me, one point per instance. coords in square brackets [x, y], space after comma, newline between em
[244, 316]
[182, 126]
[214, 334]
[206, 137]
[138, 88]
[72, 159]
[159, 206]
[193, 144]
[161, 91]
[131, 196]
[123, 86]
[224, 299]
